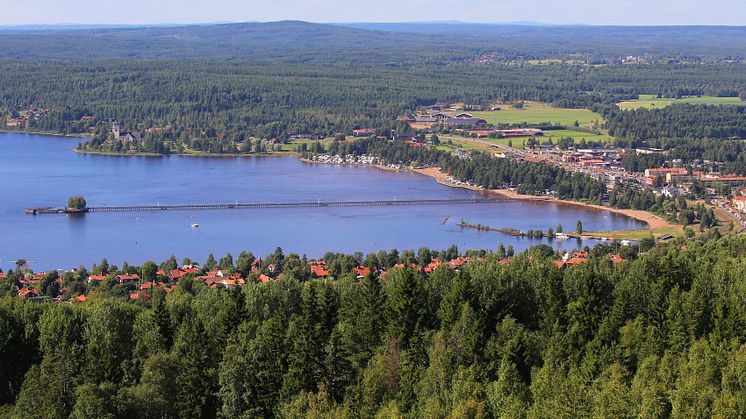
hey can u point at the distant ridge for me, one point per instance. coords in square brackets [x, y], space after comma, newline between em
[385, 43]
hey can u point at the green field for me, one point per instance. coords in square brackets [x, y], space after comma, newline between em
[556, 134]
[519, 141]
[651, 102]
[637, 234]
[537, 113]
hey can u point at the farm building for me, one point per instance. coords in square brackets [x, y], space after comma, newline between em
[456, 122]
[362, 132]
[521, 132]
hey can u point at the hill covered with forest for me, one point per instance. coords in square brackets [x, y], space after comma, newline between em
[394, 43]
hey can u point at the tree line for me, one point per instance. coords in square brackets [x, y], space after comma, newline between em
[661, 335]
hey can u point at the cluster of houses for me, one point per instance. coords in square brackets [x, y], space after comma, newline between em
[219, 278]
[682, 174]
[594, 157]
[33, 113]
[25, 115]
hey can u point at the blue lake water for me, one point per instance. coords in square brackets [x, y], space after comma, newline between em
[38, 171]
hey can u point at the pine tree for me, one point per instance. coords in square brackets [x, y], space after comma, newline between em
[406, 303]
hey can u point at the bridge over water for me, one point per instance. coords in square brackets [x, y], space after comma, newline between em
[267, 205]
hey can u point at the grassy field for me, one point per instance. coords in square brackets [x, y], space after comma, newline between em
[604, 138]
[637, 234]
[651, 102]
[293, 146]
[536, 113]
[519, 142]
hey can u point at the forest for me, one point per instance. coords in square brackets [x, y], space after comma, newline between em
[211, 88]
[395, 44]
[660, 335]
[679, 121]
[204, 101]
[692, 133]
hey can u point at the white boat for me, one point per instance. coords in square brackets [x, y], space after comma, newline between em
[195, 225]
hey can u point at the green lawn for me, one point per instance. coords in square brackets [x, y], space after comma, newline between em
[518, 142]
[536, 113]
[577, 135]
[651, 102]
[637, 234]
[293, 145]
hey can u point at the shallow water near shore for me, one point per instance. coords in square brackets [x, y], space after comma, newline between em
[39, 171]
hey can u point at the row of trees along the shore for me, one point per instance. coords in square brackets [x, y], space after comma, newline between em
[659, 336]
[528, 178]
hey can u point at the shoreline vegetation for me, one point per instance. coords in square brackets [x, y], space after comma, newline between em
[50, 133]
[656, 224]
[537, 234]
[195, 154]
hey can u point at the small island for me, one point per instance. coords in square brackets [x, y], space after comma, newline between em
[75, 205]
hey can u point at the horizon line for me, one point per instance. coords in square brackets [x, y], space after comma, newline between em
[72, 25]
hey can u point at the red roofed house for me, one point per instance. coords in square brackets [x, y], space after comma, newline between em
[433, 265]
[28, 293]
[361, 271]
[576, 261]
[264, 279]
[149, 285]
[127, 277]
[318, 269]
[456, 263]
[96, 278]
[577, 258]
[140, 295]
[616, 258]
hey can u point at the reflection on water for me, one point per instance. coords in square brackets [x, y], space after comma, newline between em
[43, 171]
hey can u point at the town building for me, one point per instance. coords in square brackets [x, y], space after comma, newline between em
[663, 171]
[740, 203]
[124, 135]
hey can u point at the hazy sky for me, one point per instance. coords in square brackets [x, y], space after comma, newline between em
[644, 12]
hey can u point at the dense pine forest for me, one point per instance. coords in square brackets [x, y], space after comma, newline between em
[660, 335]
[268, 99]
[219, 84]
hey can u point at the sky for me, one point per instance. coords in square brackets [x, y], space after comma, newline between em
[597, 12]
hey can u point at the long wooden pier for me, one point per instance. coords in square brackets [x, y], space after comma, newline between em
[267, 205]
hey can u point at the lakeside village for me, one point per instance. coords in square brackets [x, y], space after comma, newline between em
[76, 286]
[700, 179]
[454, 125]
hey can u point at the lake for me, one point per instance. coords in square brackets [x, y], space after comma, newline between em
[37, 171]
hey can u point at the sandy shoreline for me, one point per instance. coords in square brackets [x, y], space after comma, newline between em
[653, 221]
